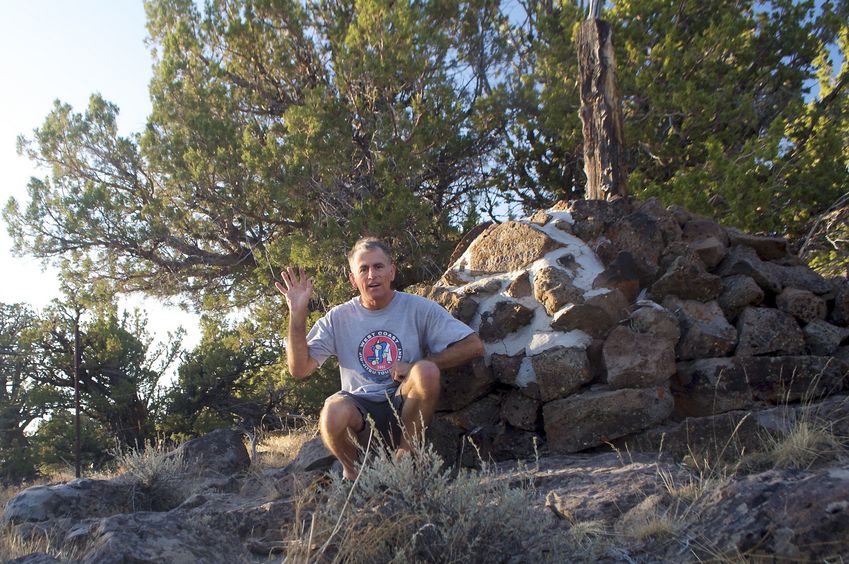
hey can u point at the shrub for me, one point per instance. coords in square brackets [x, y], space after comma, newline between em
[412, 509]
[158, 477]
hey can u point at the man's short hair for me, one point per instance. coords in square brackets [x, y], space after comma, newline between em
[370, 244]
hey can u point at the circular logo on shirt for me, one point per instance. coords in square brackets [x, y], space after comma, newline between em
[378, 352]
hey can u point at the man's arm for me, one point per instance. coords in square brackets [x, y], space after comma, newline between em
[456, 354]
[459, 353]
[297, 288]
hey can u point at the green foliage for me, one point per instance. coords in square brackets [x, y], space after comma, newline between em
[280, 132]
[53, 444]
[235, 376]
[720, 115]
[119, 371]
[119, 366]
[23, 400]
[221, 382]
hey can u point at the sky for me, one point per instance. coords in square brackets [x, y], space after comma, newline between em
[68, 50]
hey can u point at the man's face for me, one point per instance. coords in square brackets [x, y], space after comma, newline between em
[372, 274]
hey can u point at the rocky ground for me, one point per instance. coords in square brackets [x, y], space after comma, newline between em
[613, 506]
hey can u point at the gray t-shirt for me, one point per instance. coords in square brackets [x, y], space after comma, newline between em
[367, 342]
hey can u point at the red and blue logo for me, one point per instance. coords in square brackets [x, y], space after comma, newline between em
[378, 351]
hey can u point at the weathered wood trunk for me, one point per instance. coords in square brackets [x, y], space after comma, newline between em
[601, 113]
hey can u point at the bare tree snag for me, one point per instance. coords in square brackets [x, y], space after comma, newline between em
[601, 112]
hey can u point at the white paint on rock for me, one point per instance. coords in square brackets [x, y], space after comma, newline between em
[537, 336]
[526, 374]
[543, 341]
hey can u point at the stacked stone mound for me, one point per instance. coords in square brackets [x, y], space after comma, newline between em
[602, 320]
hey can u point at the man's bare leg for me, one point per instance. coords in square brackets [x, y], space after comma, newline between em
[420, 390]
[338, 417]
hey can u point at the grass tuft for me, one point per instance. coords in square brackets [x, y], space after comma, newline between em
[159, 477]
[412, 509]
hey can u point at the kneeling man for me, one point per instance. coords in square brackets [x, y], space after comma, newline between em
[390, 345]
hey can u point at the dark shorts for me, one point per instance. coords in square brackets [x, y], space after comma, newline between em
[384, 413]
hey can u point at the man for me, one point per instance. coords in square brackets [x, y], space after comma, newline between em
[391, 347]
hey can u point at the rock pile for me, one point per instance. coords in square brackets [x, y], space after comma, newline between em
[603, 320]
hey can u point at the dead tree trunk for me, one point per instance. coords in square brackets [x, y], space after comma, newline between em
[601, 112]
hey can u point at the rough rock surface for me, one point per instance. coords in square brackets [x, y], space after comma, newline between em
[715, 385]
[779, 514]
[738, 292]
[560, 371]
[506, 318]
[593, 418]
[638, 360]
[688, 280]
[704, 330]
[801, 304]
[768, 331]
[508, 246]
[823, 338]
[553, 288]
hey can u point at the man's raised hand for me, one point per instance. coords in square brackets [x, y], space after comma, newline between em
[297, 288]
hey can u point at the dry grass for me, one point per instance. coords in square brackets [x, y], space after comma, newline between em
[806, 438]
[808, 442]
[588, 540]
[279, 448]
[412, 509]
[158, 477]
[11, 545]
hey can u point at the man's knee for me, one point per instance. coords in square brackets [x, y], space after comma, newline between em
[338, 415]
[425, 376]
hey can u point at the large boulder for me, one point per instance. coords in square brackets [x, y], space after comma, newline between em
[768, 331]
[504, 319]
[744, 260]
[219, 453]
[767, 248]
[464, 384]
[789, 515]
[711, 251]
[593, 217]
[802, 277]
[77, 499]
[699, 229]
[622, 274]
[655, 320]
[591, 319]
[641, 236]
[823, 338]
[521, 411]
[462, 306]
[704, 330]
[560, 371]
[738, 292]
[553, 288]
[148, 538]
[507, 247]
[593, 418]
[638, 360]
[801, 304]
[688, 280]
[716, 385]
